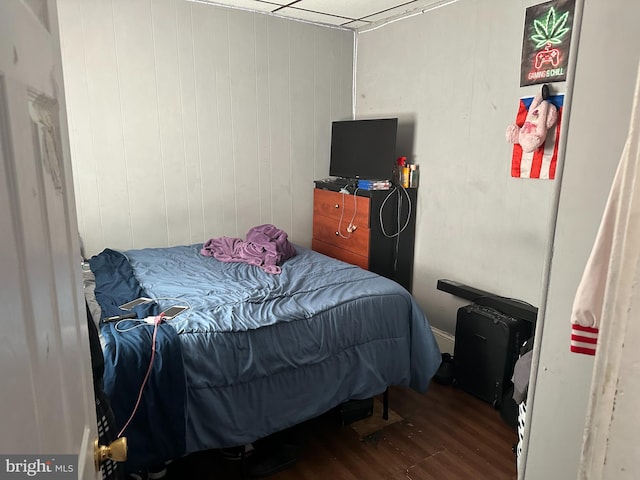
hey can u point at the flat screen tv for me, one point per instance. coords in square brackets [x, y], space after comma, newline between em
[363, 148]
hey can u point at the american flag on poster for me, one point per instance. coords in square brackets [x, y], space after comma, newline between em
[540, 163]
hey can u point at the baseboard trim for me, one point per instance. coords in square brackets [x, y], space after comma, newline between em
[445, 340]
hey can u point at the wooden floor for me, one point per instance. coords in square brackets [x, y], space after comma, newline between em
[445, 434]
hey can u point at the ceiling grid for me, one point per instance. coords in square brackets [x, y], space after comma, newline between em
[352, 14]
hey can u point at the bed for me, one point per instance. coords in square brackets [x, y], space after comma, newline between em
[255, 352]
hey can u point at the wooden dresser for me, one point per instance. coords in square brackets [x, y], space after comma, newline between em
[333, 213]
[366, 245]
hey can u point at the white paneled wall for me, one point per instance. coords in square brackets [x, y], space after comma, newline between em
[452, 77]
[190, 121]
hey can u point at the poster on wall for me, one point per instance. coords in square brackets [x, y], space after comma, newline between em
[546, 40]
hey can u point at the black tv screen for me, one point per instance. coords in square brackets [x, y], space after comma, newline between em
[363, 148]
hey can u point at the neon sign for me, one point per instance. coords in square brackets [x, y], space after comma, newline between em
[546, 42]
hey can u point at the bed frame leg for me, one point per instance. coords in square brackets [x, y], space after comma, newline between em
[385, 404]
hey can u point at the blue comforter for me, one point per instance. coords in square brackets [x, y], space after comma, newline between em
[263, 352]
[157, 430]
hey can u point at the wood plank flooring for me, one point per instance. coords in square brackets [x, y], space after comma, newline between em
[445, 434]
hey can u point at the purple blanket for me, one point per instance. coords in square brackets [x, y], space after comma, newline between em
[266, 247]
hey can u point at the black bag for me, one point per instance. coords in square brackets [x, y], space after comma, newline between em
[444, 375]
[487, 345]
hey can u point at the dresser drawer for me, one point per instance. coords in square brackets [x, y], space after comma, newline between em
[334, 204]
[325, 228]
[340, 253]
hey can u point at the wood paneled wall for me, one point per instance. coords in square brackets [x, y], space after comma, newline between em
[190, 121]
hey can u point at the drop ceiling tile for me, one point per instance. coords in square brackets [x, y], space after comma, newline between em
[354, 9]
[258, 6]
[394, 12]
[312, 16]
[356, 24]
[334, 12]
[402, 10]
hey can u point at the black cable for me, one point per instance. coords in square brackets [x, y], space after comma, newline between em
[396, 252]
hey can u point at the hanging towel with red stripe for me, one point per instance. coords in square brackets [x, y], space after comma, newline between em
[586, 314]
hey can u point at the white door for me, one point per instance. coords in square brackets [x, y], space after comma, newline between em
[46, 389]
[611, 442]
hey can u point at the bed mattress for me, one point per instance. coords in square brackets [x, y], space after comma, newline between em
[260, 352]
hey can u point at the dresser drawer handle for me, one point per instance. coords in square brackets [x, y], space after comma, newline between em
[337, 206]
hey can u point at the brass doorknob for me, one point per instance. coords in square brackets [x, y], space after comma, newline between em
[116, 451]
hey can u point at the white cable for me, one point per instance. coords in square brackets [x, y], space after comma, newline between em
[406, 223]
[350, 228]
[355, 211]
[142, 322]
[341, 215]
